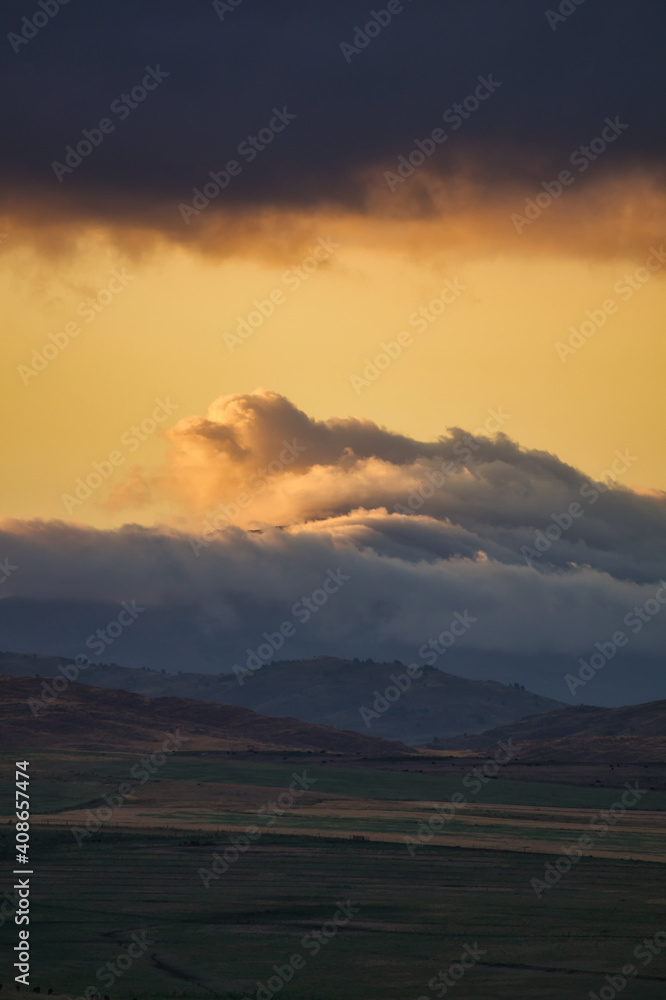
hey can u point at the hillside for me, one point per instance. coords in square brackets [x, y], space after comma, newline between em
[89, 718]
[326, 691]
[581, 732]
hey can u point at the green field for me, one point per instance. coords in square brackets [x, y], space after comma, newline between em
[415, 915]
[73, 781]
[414, 918]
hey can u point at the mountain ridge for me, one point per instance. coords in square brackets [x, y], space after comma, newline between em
[340, 694]
[83, 717]
[580, 732]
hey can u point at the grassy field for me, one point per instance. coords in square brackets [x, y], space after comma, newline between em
[60, 774]
[411, 918]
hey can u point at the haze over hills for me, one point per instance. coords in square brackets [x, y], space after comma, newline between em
[83, 717]
[582, 732]
[341, 694]
[180, 638]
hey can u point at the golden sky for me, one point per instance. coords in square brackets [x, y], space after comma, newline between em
[168, 329]
[475, 244]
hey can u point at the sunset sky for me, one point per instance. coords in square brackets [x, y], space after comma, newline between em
[475, 188]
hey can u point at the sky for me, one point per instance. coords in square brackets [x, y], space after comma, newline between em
[233, 231]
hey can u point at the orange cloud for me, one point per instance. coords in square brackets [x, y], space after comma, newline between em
[616, 214]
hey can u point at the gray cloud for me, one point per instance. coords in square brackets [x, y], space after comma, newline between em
[464, 493]
[480, 504]
[353, 119]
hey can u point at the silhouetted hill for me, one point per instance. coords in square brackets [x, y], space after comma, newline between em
[327, 691]
[581, 732]
[89, 718]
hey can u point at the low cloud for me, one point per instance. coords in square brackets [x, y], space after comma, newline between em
[255, 459]
[480, 505]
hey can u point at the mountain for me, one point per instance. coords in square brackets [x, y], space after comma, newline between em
[89, 718]
[581, 732]
[342, 694]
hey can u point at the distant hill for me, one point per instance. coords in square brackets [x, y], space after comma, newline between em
[89, 718]
[327, 691]
[581, 732]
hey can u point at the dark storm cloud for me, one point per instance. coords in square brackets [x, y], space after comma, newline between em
[205, 612]
[225, 78]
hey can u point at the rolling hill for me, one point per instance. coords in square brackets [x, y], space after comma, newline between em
[581, 732]
[89, 718]
[342, 694]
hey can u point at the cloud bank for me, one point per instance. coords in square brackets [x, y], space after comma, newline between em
[220, 81]
[548, 561]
